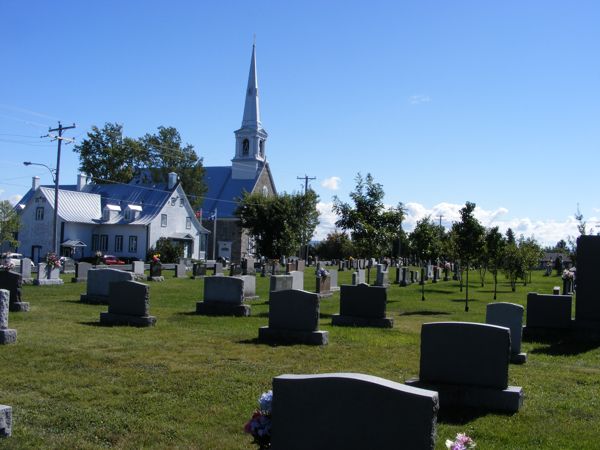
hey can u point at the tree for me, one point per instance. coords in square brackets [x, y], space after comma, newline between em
[510, 237]
[469, 240]
[108, 156]
[165, 153]
[514, 266]
[495, 244]
[532, 254]
[278, 223]
[337, 245]
[424, 239]
[169, 251]
[372, 227]
[9, 225]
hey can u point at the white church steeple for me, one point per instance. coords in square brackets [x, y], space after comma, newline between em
[250, 139]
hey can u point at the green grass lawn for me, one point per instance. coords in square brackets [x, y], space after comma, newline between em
[192, 381]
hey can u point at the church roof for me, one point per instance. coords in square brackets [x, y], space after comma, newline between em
[223, 191]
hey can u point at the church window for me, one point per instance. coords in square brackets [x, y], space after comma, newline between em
[261, 147]
[39, 213]
[265, 191]
[245, 147]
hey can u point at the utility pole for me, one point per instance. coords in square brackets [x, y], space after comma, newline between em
[441, 217]
[214, 249]
[306, 179]
[59, 138]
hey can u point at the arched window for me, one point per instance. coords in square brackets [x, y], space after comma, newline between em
[261, 148]
[265, 191]
[245, 147]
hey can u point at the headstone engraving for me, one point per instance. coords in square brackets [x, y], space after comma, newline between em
[481, 378]
[330, 406]
[293, 318]
[363, 305]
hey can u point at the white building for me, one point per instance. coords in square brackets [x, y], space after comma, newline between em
[118, 219]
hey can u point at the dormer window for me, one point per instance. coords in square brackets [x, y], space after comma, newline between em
[132, 212]
[110, 212]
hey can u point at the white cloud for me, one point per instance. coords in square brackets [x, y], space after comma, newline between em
[547, 232]
[419, 98]
[16, 199]
[332, 183]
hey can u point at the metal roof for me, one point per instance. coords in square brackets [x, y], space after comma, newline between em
[73, 206]
[223, 192]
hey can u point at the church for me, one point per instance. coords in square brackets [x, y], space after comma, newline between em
[249, 172]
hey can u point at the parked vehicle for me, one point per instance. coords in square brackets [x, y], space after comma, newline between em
[111, 260]
[13, 258]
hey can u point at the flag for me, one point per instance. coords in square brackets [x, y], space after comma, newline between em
[199, 214]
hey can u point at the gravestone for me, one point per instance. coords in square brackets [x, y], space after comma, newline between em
[547, 314]
[180, 271]
[199, 270]
[7, 335]
[381, 278]
[556, 290]
[358, 277]
[293, 318]
[363, 306]
[25, 271]
[47, 275]
[68, 266]
[218, 269]
[509, 315]
[81, 272]
[281, 282]
[138, 269]
[156, 272]
[404, 277]
[323, 286]
[98, 284]
[129, 304]
[300, 265]
[297, 280]
[12, 282]
[223, 296]
[333, 274]
[249, 286]
[587, 306]
[467, 364]
[5, 421]
[351, 411]
[398, 276]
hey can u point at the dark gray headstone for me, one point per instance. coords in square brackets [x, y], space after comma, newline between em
[293, 318]
[509, 315]
[587, 306]
[351, 412]
[129, 304]
[12, 282]
[223, 296]
[199, 269]
[467, 364]
[363, 305]
[98, 284]
[5, 421]
[548, 311]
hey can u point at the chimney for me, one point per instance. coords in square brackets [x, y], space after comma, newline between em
[172, 180]
[81, 181]
[35, 183]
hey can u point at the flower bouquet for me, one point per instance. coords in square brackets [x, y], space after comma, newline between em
[322, 273]
[52, 261]
[461, 442]
[259, 425]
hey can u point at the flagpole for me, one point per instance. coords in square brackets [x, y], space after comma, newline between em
[214, 249]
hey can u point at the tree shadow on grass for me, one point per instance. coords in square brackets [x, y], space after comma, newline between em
[438, 291]
[462, 300]
[569, 346]
[425, 313]
[187, 313]
[74, 301]
[498, 291]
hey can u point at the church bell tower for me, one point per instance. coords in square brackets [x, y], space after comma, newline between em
[251, 138]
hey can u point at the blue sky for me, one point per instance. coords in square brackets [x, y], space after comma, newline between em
[442, 102]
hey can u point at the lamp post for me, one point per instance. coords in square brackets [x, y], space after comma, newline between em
[54, 174]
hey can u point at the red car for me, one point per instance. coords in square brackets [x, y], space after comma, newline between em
[111, 260]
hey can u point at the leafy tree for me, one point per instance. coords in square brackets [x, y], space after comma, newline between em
[531, 253]
[9, 225]
[165, 153]
[510, 237]
[169, 251]
[514, 265]
[278, 223]
[372, 227]
[425, 243]
[495, 244]
[337, 245]
[108, 156]
[469, 240]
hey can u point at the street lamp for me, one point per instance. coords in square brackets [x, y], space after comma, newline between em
[54, 174]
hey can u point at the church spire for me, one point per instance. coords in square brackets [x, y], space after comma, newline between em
[251, 117]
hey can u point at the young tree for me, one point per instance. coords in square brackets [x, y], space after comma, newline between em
[278, 223]
[495, 244]
[9, 225]
[108, 156]
[532, 254]
[469, 240]
[372, 227]
[424, 241]
[514, 266]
